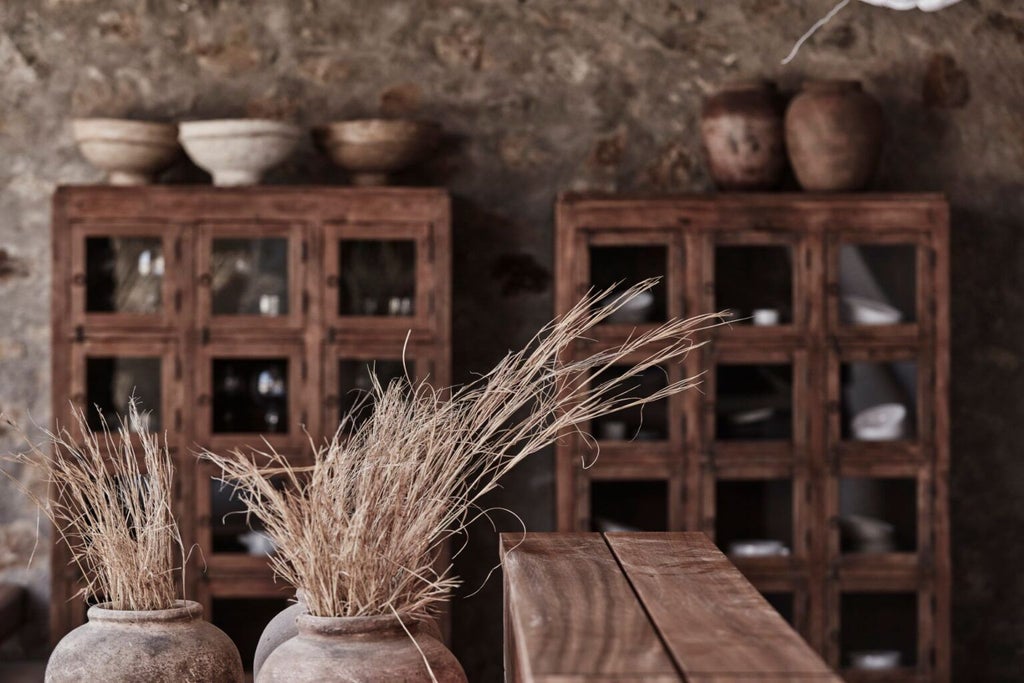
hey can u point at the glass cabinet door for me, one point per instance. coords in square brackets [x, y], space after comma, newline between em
[877, 285]
[349, 372]
[759, 281]
[251, 392]
[250, 275]
[617, 260]
[106, 375]
[125, 275]
[379, 277]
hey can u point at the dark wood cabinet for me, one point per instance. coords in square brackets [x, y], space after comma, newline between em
[821, 430]
[239, 315]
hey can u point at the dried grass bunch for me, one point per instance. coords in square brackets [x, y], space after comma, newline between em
[361, 529]
[111, 504]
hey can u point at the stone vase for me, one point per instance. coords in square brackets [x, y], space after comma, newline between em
[356, 649]
[834, 136]
[157, 646]
[742, 132]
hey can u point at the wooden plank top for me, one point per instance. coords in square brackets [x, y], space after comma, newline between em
[642, 606]
[574, 614]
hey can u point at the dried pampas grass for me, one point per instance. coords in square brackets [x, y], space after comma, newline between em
[111, 504]
[360, 531]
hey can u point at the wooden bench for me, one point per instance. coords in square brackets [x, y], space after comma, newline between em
[654, 607]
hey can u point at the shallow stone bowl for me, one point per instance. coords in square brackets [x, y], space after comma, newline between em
[372, 149]
[238, 151]
[130, 152]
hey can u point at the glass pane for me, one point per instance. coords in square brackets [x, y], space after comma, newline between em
[642, 423]
[378, 277]
[878, 284]
[629, 505]
[250, 395]
[781, 603]
[878, 630]
[755, 284]
[110, 381]
[755, 402]
[124, 274]
[754, 518]
[354, 384]
[879, 400]
[622, 267]
[878, 515]
[231, 529]
[250, 276]
[243, 620]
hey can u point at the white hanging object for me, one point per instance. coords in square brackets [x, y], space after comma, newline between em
[923, 5]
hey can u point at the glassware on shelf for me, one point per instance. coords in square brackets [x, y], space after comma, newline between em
[124, 274]
[111, 381]
[617, 267]
[879, 400]
[754, 402]
[875, 660]
[760, 547]
[377, 277]
[250, 395]
[249, 276]
[646, 423]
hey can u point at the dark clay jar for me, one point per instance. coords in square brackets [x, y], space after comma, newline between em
[742, 132]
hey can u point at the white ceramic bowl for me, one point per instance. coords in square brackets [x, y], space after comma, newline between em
[130, 152]
[758, 548]
[884, 422]
[371, 149]
[858, 310]
[635, 310]
[238, 151]
[875, 660]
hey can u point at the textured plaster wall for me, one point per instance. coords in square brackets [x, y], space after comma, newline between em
[537, 97]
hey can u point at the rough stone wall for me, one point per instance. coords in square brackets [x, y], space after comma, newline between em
[540, 96]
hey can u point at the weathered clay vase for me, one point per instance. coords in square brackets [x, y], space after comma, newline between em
[355, 649]
[284, 627]
[121, 646]
[279, 629]
[834, 136]
[741, 128]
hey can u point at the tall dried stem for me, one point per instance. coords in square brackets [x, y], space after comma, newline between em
[111, 505]
[360, 530]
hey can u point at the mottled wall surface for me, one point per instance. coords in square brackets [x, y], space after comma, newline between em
[537, 97]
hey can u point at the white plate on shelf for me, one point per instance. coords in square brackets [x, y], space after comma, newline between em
[884, 422]
[859, 310]
[760, 547]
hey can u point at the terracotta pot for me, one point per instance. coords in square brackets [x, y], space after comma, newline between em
[355, 649]
[741, 128]
[834, 136]
[284, 627]
[155, 646]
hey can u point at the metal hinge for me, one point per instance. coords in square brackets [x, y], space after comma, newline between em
[305, 251]
[204, 335]
[79, 333]
[305, 301]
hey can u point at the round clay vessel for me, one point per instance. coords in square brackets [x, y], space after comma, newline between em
[284, 627]
[372, 149]
[279, 629]
[123, 646]
[237, 151]
[834, 136]
[741, 128]
[355, 649]
[131, 152]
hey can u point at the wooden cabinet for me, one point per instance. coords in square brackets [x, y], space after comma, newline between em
[841, 306]
[239, 315]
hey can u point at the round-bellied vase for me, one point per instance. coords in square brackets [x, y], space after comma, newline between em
[741, 129]
[157, 646]
[279, 629]
[834, 136]
[357, 649]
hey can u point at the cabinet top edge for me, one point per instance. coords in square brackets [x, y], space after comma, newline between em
[259, 190]
[758, 198]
